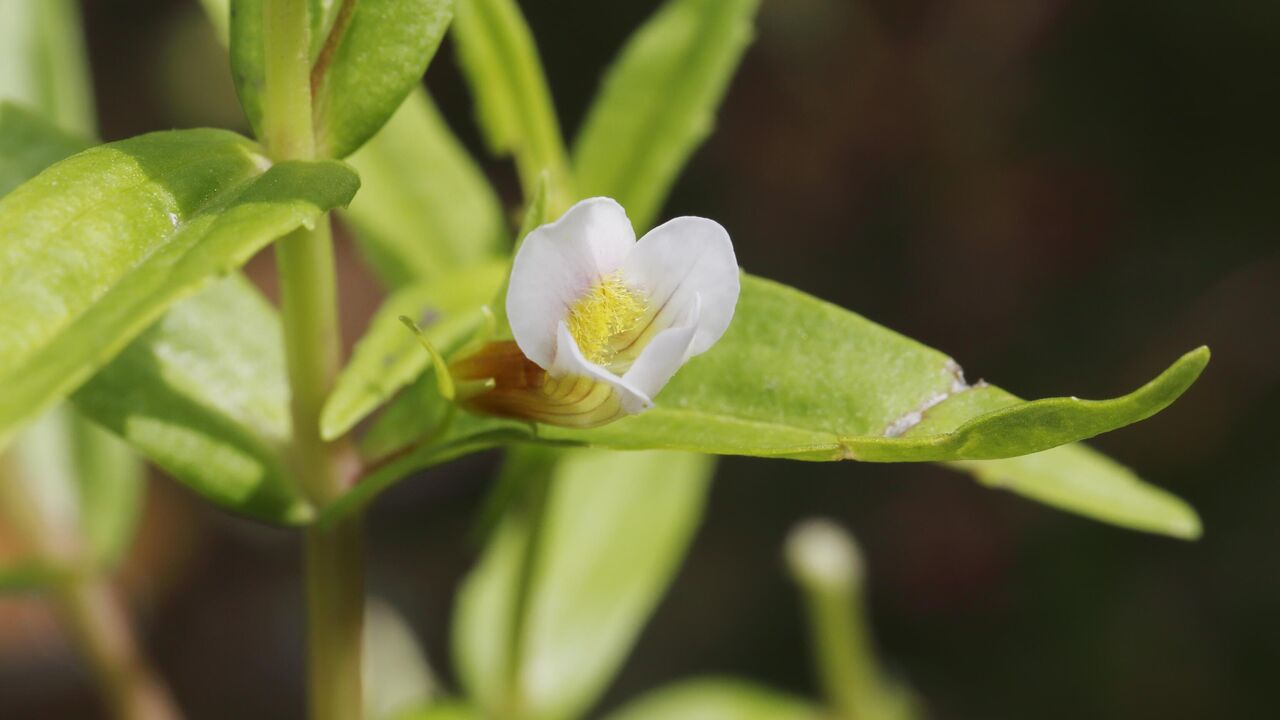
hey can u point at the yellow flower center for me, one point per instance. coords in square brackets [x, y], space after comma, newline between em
[607, 310]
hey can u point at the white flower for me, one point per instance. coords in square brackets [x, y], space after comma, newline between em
[610, 320]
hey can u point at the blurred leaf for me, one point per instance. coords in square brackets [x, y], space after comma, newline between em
[535, 215]
[443, 711]
[658, 102]
[395, 671]
[203, 394]
[717, 699]
[29, 144]
[513, 103]
[70, 492]
[388, 357]
[426, 209]
[366, 57]
[563, 589]
[27, 576]
[1079, 479]
[96, 247]
[219, 13]
[42, 62]
[111, 483]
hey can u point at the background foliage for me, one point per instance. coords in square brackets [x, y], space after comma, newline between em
[1090, 186]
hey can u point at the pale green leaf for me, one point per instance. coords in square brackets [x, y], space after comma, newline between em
[426, 209]
[718, 699]
[29, 144]
[442, 711]
[658, 102]
[219, 13]
[94, 249]
[395, 672]
[42, 62]
[388, 357]
[203, 395]
[71, 493]
[498, 55]
[111, 482]
[570, 582]
[366, 57]
[1081, 480]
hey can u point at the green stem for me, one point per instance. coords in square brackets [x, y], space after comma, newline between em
[308, 304]
[335, 619]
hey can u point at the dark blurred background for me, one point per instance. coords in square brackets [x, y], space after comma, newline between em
[1062, 194]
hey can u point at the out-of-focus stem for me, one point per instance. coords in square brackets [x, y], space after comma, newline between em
[90, 609]
[96, 617]
[828, 567]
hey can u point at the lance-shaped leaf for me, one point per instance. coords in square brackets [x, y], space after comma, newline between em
[800, 378]
[658, 102]
[426, 208]
[563, 589]
[95, 248]
[366, 57]
[717, 699]
[389, 357]
[513, 103]
[42, 62]
[203, 394]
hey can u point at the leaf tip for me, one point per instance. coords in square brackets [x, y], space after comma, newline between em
[1186, 526]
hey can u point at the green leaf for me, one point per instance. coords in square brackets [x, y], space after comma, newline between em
[96, 247]
[442, 711]
[800, 378]
[717, 699]
[203, 394]
[219, 14]
[550, 613]
[71, 493]
[388, 357]
[426, 209]
[797, 377]
[42, 62]
[1079, 479]
[366, 57]
[513, 102]
[29, 144]
[395, 672]
[658, 102]
[111, 482]
[28, 576]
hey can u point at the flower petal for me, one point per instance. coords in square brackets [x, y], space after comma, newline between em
[677, 262]
[665, 353]
[569, 362]
[557, 264]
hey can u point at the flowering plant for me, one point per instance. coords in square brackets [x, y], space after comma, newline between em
[121, 307]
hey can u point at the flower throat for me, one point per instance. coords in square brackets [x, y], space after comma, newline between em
[607, 310]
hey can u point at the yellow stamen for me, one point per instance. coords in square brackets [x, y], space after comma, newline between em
[607, 310]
